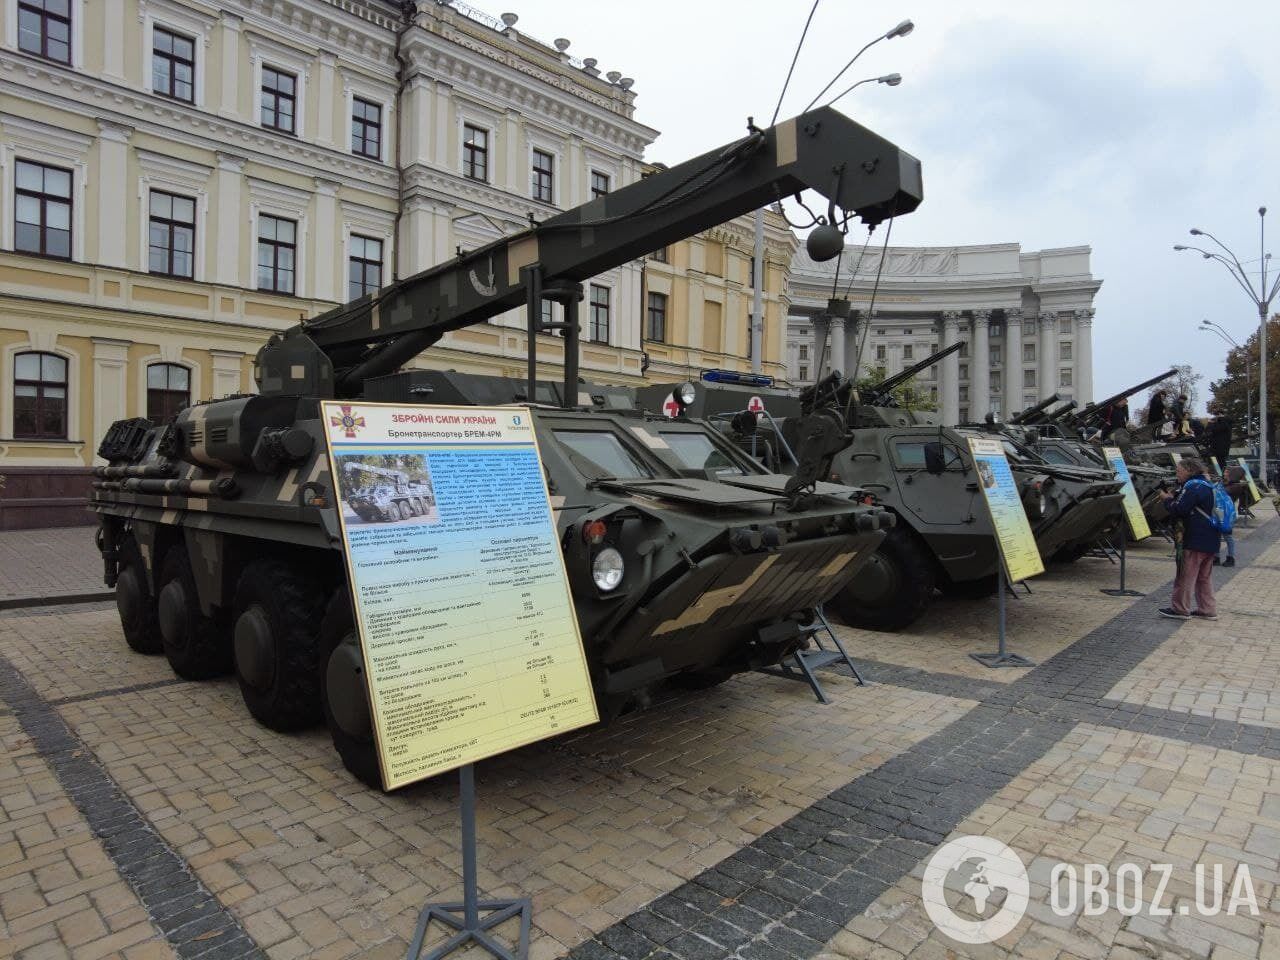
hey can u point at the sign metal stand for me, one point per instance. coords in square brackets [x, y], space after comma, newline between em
[469, 925]
[1135, 519]
[1121, 591]
[1002, 657]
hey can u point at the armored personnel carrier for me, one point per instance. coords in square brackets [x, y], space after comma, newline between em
[220, 531]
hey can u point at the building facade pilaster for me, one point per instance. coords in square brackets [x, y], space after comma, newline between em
[226, 373]
[836, 352]
[328, 274]
[113, 162]
[849, 361]
[980, 366]
[1084, 356]
[110, 385]
[1048, 353]
[229, 103]
[821, 348]
[949, 387]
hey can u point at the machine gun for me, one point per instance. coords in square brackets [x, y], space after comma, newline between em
[1094, 412]
[859, 172]
[1034, 414]
[881, 394]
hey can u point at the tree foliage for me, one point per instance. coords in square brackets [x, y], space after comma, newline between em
[1234, 393]
[908, 395]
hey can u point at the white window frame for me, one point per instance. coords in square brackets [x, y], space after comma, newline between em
[182, 20]
[169, 353]
[613, 313]
[77, 34]
[277, 56]
[354, 86]
[365, 222]
[285, 203]
[40, 341]
[1065, 350]
[542, 144]
[181, 177]
[471, 117]
[23, 139]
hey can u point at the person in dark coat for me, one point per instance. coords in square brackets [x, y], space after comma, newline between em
[1219, 435]
[1238, 490]
[1155, 410]
[1178, 413]
[1192, 507]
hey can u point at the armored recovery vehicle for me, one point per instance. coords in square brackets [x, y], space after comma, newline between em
[220, 531]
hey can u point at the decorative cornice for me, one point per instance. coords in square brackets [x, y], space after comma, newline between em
[981, 318]
[1048, 318]
[117, 132]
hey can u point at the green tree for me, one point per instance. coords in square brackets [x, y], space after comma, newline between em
[1241, 381]
[908, 395]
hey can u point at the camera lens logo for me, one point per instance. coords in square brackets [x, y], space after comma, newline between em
[975, 889]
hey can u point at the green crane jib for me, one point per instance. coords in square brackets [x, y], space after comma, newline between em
[1094, 411]
[860, 173]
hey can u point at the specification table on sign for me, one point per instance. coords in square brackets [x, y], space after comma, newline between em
[466, 622]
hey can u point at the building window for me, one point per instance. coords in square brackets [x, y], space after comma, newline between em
[804, 373]
[475, 153]
[168, 391]
[657, 318]
[1029, 352]
[598, 329]
[997, 330]
[964, 348]
[544, 171]
[44, 28]
[277, 248]
[1064, 324]
[42, 210]
[1028, 378]
[964, 393]
[995, 355]
[933, 394]
[751, 273]
[881, 373]
[906, 332]
[546, 311]
[364, 267]
[1064, 351]
[660, 255]
[171, 238]
[39, 397]
[995, 381]
[1028, 328]
[173, 65]
[964, 371]
[907, 352]
[964, 414]
[804, 351]
[599, 184]
[1064, 377]
[880, 351]
[366, 129]
[279, 99]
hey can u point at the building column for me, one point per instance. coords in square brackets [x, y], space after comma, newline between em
[517, 174]
[417, 106]
[229, 103]
[324, 93]
[1012, 362]
[850, 356]
[821, 356]
[444, 115]
[836, 351]
[980, 367]
[110, 386]
[113, 159]
[226, 373]
[949, 385]
[229, 219]
[328, 238]
[1084, 356]
[1048, 355]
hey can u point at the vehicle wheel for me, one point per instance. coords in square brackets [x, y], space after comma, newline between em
[405, 512]
[277, 644]
[196, 645]
[700, 679]
[343, 695]
[139, 616]
[893, 588]
[978, 589]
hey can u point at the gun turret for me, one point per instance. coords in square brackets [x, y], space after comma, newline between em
[880, 394]
[1094, 411]
[1033, 414]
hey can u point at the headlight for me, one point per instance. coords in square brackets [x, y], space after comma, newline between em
[1040, 505]
[685, 394]
[606, 569]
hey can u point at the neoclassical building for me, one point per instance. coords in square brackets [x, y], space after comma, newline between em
[1025, 319]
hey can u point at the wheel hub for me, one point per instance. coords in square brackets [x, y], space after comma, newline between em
[173, 613]
[876, 583]
[345, 690]
[128, 595]
[255, 648]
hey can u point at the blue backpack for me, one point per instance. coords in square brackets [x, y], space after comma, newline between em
[1223, 518]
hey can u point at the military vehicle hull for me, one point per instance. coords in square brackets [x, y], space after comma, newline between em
[227, 556]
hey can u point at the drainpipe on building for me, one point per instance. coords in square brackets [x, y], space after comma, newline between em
[408, 9]
[757, 318]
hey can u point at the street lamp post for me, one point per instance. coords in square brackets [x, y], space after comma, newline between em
[1261, 298]
[1208, 326]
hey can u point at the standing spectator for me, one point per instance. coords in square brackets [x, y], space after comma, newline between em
[1156, 412]
[1219, 435]
[1120, 415]
[1178, 414]
[1192, 507]
[1238, 490]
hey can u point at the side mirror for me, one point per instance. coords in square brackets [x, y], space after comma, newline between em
[935, 461]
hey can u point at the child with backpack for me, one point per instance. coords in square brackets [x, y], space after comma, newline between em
[1196, 506]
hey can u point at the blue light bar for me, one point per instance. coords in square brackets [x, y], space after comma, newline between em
[732, 376]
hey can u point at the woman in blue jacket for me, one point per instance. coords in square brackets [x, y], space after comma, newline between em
[1193, 506]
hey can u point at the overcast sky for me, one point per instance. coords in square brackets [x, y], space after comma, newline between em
[1117, 125]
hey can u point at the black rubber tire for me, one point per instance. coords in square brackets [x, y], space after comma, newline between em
[202, 647]
[291, 606]
[136, 602]
[405, 511]
[359, 753]
[700, 679]
[978, 589]
[895, 595]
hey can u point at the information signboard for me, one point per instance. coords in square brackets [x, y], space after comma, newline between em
[1138, 526]
[1000, 491]
[1248, 476]
[466, 622]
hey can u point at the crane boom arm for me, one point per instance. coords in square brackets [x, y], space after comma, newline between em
[859, 172]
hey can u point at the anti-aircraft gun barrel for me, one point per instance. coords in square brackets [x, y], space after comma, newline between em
[1053, 416]
[858, 171]
[876, 394]
[1033, 414]
[1094, 411]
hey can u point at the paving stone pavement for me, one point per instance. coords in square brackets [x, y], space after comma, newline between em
[740, 822]
[49, 563]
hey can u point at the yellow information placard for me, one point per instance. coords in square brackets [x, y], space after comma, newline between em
[1248, 476]
[1000, 492]
[1139, 529]
[470, 640]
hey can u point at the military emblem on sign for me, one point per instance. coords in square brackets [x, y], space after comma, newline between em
[348, 422]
